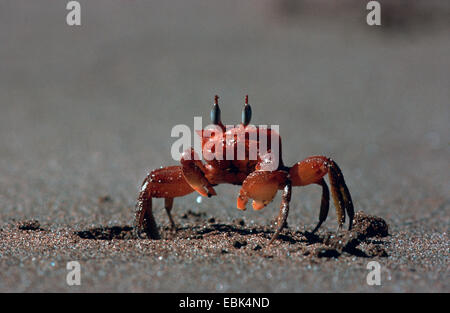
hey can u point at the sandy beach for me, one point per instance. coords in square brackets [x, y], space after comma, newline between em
[87, 112]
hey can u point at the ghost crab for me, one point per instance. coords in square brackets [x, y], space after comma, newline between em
[261, 177]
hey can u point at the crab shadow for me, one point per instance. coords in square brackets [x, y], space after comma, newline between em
[357, 242]
[336, 244]
[127, 232]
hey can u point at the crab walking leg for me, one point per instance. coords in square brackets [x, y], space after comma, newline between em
[194, 173]
[340, 193]
[324, 204]
[312, 170]
[167, 183]
[168, 203]
[284, 210]
[145, 219]
[338, 198]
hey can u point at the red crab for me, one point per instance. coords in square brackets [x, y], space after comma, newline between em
[259, 181]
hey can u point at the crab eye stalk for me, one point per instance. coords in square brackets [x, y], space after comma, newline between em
[246, 112]
[215, 112]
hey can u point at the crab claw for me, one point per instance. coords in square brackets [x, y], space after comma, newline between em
[258, 204]
[242, 202]
[193, 171]
[261, 186]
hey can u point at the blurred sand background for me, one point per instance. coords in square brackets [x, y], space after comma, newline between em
[86, 112]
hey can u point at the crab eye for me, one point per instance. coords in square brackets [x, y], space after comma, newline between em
[215, 112]
[246, 113]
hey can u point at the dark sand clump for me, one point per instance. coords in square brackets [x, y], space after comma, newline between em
[29, 225]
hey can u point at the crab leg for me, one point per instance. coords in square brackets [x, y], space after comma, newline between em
[284, 210]
[168, 203]
[324, 204]
[311, 171]
[167, 183]
[194, 173]
[145, 219]
[348, 203]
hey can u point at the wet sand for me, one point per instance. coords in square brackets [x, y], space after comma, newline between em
[87, 112]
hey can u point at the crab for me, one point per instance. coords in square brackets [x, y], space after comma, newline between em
[260, 177]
